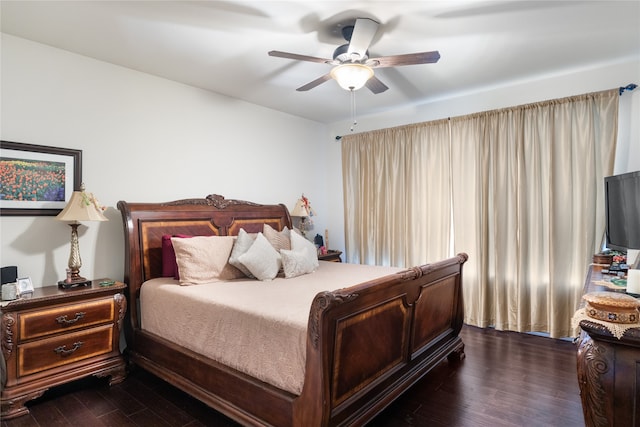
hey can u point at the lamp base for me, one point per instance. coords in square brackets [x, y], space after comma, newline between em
[67, 284]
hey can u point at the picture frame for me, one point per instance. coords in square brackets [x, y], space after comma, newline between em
[37, 180]
[25, 286]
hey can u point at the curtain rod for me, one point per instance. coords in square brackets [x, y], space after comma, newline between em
[629, 87]
[621, 89]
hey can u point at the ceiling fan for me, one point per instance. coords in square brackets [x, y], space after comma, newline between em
[353, 67]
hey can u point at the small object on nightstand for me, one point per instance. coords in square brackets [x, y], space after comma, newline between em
[9, 274]
[25, 286]
[9, 291]
[107, 283]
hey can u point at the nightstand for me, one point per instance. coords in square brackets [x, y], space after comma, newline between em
[333, 256]
[56, 336]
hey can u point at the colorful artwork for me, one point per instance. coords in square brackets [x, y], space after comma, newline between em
[30, 180]
[37, 179]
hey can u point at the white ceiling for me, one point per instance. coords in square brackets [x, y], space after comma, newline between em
[222, 45]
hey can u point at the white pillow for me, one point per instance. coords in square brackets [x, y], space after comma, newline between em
[297, 263]
[299, 242]
[242, 245]
[204, 259]
[262, 260]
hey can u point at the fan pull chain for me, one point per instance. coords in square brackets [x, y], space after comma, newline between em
[353, 109]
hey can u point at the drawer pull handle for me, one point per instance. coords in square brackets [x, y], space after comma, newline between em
[62, 351]
[63, 319]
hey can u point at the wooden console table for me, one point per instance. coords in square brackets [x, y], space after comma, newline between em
[608, 370]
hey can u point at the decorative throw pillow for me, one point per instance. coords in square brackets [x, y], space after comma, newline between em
[299, 242]
[278, 239]
[301, 259]
[204, 259]
[242, 245]
[262, 260]
[169, 265]
[299, 262]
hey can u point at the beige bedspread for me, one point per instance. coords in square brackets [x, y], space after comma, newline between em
[256, 327]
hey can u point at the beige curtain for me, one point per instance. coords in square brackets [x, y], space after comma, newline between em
[396, 195]
[528, 207]
[524, 186]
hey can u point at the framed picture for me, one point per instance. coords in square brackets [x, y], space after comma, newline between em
[24, 285]
[37, 179]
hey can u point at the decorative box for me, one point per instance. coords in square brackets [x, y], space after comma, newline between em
[613, 307]
[604, 259]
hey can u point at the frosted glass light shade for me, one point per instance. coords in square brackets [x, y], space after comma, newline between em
[351, 76]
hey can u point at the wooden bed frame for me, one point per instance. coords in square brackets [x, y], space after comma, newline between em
[366, 344]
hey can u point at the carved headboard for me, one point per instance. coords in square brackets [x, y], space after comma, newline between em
[146, 223]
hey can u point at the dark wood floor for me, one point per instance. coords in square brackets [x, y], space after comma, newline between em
[506, 379]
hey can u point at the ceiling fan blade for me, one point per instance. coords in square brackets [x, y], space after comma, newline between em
[408, 59]
[364, 31]
[314, 83]
[297, 57]
[375, 85]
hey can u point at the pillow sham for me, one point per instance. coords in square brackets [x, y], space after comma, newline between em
[242, 245]
[169, 265]
[204, 259]
[278, 239]
[262, 260]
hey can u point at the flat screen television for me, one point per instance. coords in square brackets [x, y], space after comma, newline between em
[622, 211]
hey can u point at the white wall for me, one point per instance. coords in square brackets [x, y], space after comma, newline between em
[149, 139]
[143, 138]
[573, 82]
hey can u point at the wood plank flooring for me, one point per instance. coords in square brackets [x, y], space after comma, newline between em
[507, 379]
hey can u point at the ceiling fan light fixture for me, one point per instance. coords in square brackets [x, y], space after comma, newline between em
[351, 76]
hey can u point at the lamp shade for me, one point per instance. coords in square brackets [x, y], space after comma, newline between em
[351, 76]
[300, 209]
[82, 207]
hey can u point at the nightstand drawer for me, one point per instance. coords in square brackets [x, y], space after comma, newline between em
[64, 318]
[49, 353]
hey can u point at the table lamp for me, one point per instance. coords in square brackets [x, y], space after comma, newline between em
[302, 211]
[81, 207]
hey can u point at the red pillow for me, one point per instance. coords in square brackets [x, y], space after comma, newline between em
[169, 264]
